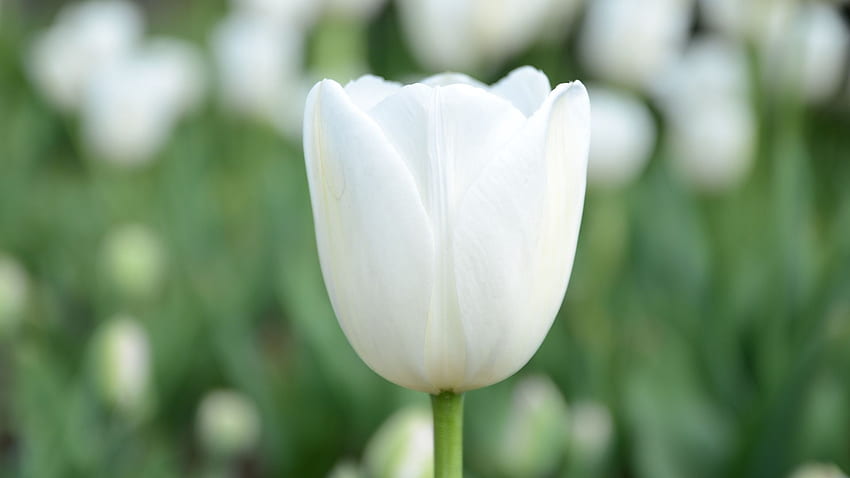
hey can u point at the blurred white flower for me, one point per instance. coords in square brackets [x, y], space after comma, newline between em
[282, 12]
[465, 35]
[591, 432]
[536, 429]
[132, 106]
[559, 16]
[622, 137]
[85, 38]
[124, 365]
[260, 69]
[805, 48]
[14, 291]
[711, 124]
[345, 469]
[817, 470]
[629, 42]
[403, 447]
[354, 9]
[134, 260]
[228, 423]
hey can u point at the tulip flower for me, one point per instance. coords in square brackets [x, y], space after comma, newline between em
[134, 261]
[623, 133]
[817, 470]
[85, 38]
[468, 34]
[132, 106]
[14, 291]
[228, 424]
[630, 43]
[124, 365]
[446, 217]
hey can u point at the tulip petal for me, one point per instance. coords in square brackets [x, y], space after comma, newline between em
[515, 237]
[369, 90]
[526, 88]
[375, 245]
[447, 135]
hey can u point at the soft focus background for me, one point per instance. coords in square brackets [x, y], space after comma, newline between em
[162, 311]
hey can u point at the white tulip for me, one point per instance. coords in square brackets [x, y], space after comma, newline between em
[712, 126]
[132, 106]
[354, 9]
[446, 218]
[468, 34]
[403, 447]
[622, 137]
[124, 365]
[804, 50]
[533, 440]
[134, 260]
[591, 432]
[817, 470]
[85, 38]
[629, 42]
[260, 68]
[14, 291]
[284, 12]
[228, 423]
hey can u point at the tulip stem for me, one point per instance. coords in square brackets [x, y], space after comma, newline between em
[448, 434]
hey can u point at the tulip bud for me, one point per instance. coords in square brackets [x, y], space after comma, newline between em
[615, 30]
[403, 447]
[132, 106]
[712, 126]
[817, 470]
[536, 429]
[467, 34]
[346, 469]
[447, 249]
[804, 49]
[85, 38]
[622, 137]
[228, 424]
[259, 69]
[14, 290]
[134, 260]
[123, 364]
[591, 431]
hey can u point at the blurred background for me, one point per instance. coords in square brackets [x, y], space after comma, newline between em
[162, 311]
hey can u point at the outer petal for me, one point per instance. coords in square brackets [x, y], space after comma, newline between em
[369, 90]
[526, 88]
[446, 79]
[447, 135]
[516, 235]
[375, 245]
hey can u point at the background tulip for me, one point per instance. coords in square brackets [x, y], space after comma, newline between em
[446, 218]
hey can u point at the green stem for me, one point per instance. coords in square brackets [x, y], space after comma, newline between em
[448, 434]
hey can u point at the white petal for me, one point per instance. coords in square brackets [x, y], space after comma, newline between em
[369, 90]
[516, 234]
[375, 246]
[526, 88]
[447, 135]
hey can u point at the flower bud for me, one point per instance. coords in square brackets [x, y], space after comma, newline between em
[85, 38]
[615, 30]
[346, 469]
[591, 431]
[134, 260]
[817, 470]
[123, 364]
[621, 140]
[228, 424]
[536, 429]
[403, 447]
[14, 291]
